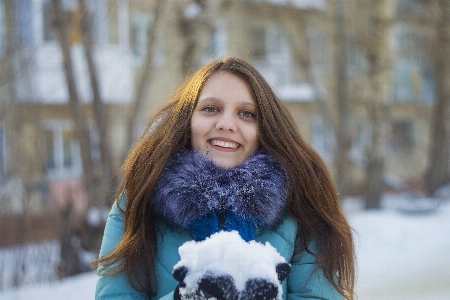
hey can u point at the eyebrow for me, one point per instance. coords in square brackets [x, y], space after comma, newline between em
[215, 99]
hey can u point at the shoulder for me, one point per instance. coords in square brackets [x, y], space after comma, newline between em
[115, 227]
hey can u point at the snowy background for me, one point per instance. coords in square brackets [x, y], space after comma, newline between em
[401, 255]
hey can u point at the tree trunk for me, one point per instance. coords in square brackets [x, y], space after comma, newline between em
[8, 61]
[342, 99]
[145, 79]
[438, 156]
[375, 156]
[196, 32]
[379, 78]
[100, 114]
[70, 259]
[76, 108]
[70, 263]
[301, 56]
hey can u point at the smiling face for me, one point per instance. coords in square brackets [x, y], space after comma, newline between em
[224, 125]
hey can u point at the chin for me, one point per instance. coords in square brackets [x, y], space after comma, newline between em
[227, 164]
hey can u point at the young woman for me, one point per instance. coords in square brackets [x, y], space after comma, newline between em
[225, 154]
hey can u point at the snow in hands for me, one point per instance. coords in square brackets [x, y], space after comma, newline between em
[224, 266]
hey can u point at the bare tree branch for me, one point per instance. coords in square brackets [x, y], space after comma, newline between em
[438, 164]
[148, 71]
[76, 108]
[379, 56]
[100, 119]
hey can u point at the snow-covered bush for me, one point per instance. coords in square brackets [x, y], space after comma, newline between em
[30, 264]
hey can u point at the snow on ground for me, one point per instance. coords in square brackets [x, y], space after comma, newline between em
[400, 256]
[403, 256]
[73, 288]
[35, 263]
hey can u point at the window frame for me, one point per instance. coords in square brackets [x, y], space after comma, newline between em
[60, 170]
[320, 55]
[274, 62]
[413, 76]
[322, 137]
[3, 154]
[402, 136]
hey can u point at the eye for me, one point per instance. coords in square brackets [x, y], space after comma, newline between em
[247, 114]
[210, 109]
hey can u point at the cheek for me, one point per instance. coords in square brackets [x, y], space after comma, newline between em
[196, 135]
[253, 137]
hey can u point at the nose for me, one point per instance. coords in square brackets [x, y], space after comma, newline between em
[226, 122]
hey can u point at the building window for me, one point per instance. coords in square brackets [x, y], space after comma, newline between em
[110, 22]
[2, 30]
[219, 39]
[139, 33]
[267, 43]
[319, 52]
[140, 26]
[258, 43]
[3, 155]
[356, 63]
[402, 136]
[117, 22]
[113, 19]
[72, 13]
[413, 70]
[361, 137]
[275, 41]
[408, 7]
[23, 14]
[63, 158]
[218, 42]
[99, 20]
[50, 33]
[270, 53]
[322, 137]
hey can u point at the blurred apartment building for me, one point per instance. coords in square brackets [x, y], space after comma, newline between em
[291, 42]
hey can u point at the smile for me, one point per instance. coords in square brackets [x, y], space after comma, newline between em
[225, 144]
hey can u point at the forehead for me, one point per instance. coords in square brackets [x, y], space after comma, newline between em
[227, 84]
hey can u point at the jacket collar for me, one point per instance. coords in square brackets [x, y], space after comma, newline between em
[193, 186]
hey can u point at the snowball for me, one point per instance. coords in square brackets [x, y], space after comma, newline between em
[226, 253]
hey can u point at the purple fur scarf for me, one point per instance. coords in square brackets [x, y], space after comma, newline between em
[192, 186]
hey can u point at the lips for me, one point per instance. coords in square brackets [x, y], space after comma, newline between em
[224, 144]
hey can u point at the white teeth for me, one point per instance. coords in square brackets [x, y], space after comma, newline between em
[224, 144]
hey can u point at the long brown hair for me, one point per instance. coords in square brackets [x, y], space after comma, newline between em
[313, 202]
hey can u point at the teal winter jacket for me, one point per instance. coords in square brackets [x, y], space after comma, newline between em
[305, 282]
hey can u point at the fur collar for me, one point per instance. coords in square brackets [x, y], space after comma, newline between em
[192, 186]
